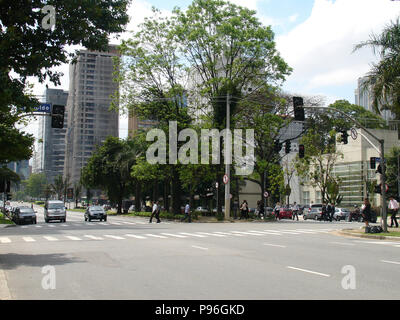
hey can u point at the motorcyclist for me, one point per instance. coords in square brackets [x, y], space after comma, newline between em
[355, 213]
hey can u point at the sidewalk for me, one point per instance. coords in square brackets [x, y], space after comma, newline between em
[360, 233]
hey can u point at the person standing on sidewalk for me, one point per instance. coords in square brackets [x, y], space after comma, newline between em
[187, 213]
[276, 210]
[295, 209]
[366, 212]
[393, 209]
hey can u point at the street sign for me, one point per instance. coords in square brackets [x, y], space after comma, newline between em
[225, 179]
[43, 107]
[266, 194]
[354, 133]
[70, 193]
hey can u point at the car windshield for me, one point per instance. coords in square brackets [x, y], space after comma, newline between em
[96, 208]
[56, 206]
[26, 210]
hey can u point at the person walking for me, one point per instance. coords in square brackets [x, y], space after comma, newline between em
[295, 210]
[393, 209]
[155, 212]
[187, 213]
[276, 210]
[324, 212]
[330, 210]
[366, 212]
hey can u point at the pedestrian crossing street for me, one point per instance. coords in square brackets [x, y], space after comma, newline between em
[160, 235]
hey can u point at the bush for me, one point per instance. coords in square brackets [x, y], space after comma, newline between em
[39, 202]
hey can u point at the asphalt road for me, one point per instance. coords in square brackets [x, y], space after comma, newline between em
[128, 258]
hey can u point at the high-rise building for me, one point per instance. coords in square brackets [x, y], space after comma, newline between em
[50, 154]
[363, 98]
[90, 120]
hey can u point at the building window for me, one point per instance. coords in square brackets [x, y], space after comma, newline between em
[306, 197]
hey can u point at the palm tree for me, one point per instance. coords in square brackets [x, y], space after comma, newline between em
[384, 77]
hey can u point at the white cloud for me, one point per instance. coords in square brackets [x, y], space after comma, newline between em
[320, 48]
[293, 17]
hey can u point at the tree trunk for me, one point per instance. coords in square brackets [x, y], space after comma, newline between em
[138, 197]
[176, 193]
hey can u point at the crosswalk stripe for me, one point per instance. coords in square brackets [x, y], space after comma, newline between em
[93, 237]
[28, 239]
[125, 222]
[230, 234]
[173, 235]
[114, 237]
[141, 222]
[5, 240]
[211, 234]
[116, 223]
[299, 231]
[155, 236]
[193, 235]
[38, 226]
[51, 226]
[247, 233]
[135, 236]
[73, 238]
[285, 232]
[266, 232]
[50, 238]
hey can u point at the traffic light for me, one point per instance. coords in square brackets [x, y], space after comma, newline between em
[277, 146]
[372, 162]
[298, 108]
[57, 116]
[301, 151]
[345, 137]
[287, 146]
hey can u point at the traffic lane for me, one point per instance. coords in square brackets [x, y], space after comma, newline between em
[254, 271]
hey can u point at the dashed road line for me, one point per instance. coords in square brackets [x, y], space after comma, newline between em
[28, 239]
[309, 271]
[193, 235]
[173, 235]
[73, 238]
[266, 232]
[5, 240]
[211, 234]
[135, 236]
[230, 234]
[50, 238]
[201, 248]
[114, 237]
[274, 245]
[155, 236]
[93, 237]
[392, 262]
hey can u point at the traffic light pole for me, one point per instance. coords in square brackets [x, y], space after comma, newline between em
[382, 155]
[228, 156]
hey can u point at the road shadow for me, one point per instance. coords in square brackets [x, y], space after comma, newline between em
[10, 261]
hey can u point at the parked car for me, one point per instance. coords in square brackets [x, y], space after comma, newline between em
[341, 214]
[55, 210]
[95, 212]
[285, 213]
[215, 210]
[313, 214]
[24, 214]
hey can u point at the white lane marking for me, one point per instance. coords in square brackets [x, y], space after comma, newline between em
[116, 223]
[155, 236]
[193, 235]
[397, 246]
[309, 271]
[114, 237]
[248, 233]
[141, 222]
[24, 227]
[135, 236]
[201, 248]
[28, 239]
[343, 243]
[211, 234]
[51, 226]
[50, 238]
[301, 231]
[5, 240]
[393, 262]
[173, 235]
[93, 237]
[374, 242]
[266, 232]
[125, 222]
[274, 245]
[104, 223]
[38, 226]
[230, 234]
[288, 232]
[73, 238]
[64, 225]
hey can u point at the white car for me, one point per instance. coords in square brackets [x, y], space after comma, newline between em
[341, 214]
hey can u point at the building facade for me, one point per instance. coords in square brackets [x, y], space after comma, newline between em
[49, 155]
[90, 120]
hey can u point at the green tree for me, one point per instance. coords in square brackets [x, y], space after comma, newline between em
[392, 170]
[36, 185]
[27, 49]
[77, 192]
[109, 169]
[384, 77]
[58, 186]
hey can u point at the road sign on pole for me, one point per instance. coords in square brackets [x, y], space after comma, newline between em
[266, 194]
[43, 107]
[225, 179]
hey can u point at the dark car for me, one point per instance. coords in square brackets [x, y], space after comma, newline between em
[24, 214]
[95, 213]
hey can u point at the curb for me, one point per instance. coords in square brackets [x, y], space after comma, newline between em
[358, 235]
[5, 293]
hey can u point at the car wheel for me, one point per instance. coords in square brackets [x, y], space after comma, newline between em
[85, 219]
[316, 218]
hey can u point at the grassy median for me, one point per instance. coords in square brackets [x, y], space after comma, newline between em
[4, 219]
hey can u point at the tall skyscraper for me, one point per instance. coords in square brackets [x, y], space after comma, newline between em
[89, 119]
[50, 153]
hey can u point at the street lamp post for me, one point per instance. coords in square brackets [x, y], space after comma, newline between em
[228, 156]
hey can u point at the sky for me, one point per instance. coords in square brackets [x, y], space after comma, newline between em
[315, 37]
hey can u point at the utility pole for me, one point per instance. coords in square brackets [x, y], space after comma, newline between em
[228, 157]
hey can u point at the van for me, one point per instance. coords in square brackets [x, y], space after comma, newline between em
[55, 210]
